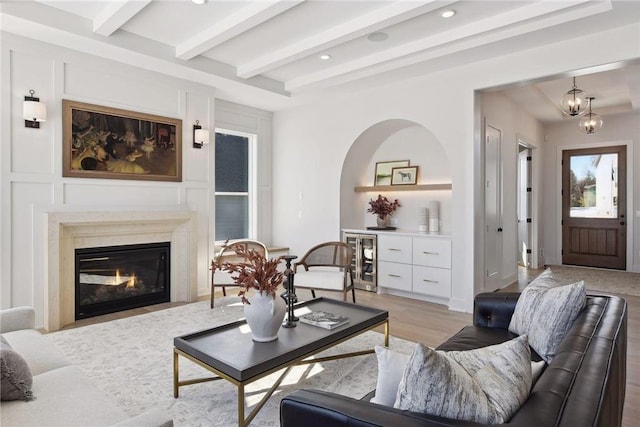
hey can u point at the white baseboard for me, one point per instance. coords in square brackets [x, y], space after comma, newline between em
[512, 278]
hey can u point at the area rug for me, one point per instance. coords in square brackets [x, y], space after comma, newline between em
[130, 359]
[600, 280]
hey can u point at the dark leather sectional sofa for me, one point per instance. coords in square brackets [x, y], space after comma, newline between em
[584, 385]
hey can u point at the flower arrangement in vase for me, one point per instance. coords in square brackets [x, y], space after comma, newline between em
[254, 273]
[383, 208]
[263, 310]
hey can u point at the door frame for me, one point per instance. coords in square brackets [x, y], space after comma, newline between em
[535, 192]
[630, 224]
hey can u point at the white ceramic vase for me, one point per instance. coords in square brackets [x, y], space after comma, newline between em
[383, 222]
[264, 316]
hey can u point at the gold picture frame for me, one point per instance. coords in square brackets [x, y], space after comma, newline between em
[111, 143]
[384, 169]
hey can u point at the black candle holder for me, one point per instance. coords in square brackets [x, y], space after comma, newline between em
[289, 296]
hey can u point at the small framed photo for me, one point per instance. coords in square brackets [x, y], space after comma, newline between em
[404, 176]
[384, 170]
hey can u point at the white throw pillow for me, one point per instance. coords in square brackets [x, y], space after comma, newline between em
[486, 385]
[391, 366]
[545, 314]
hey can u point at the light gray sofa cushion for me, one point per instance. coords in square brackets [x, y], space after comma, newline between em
[13, 319]
[65, 398]
[151, 418]
[41, 355]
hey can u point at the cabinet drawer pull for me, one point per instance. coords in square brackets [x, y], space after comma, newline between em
[430, 281]
[431, 253]
[394, 275]
[396, 250]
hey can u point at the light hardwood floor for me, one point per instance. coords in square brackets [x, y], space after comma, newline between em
[433, 324]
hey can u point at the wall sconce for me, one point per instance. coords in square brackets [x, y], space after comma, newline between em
[200, 136]
[33, 111]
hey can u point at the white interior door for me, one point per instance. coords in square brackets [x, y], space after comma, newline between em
[493, 210]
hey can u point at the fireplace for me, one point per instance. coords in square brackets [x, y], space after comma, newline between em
[116, 278]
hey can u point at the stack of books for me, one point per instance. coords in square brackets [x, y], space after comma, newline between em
[324, 319]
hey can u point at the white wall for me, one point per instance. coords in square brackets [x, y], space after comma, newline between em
[311, 142]
[31, 159]
[617, 130]
[500, 112]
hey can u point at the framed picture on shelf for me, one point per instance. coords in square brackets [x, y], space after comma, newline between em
[384, 170]
[404, 175]
[104, 142]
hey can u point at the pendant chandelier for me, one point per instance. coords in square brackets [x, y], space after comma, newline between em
[574, 102]
[591, 122]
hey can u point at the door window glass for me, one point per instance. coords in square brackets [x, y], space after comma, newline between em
[593, 186]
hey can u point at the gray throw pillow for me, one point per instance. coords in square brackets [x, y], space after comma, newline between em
[16, 376]
[546, 313]
[486, 385]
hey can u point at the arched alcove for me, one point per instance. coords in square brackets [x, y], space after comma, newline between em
[394, 139]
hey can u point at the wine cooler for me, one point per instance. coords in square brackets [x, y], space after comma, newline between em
[364, 262]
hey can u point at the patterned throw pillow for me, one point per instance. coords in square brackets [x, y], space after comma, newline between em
[545, 312]
[16, 375]
[486, 385]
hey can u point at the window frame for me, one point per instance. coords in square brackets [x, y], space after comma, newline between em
[251, 194]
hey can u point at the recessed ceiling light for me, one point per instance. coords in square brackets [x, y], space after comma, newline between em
[448, 13]
[199, 1]
[325, 56]
[378, 36]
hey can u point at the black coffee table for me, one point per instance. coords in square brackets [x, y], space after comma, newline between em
[230, 353]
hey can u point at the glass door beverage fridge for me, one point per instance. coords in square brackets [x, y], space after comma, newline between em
[364, 264]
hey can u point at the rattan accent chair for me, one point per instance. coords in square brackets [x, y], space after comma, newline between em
[326, 267]
[220, 278]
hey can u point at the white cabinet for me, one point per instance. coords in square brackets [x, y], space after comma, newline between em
[394, 275]
[432, 252]
[395, 249]
[431, 281]
[418, 265]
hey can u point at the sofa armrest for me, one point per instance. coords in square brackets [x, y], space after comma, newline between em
[151, 418]
[315, 408]
[494, 309]
[14, 319]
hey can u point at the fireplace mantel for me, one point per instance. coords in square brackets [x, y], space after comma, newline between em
[69, 230]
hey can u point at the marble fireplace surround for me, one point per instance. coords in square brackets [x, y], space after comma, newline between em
[67, 231]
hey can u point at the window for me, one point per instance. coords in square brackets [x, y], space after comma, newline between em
[234, 195]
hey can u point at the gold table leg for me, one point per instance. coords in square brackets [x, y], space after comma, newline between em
[175, 373]
[241, 420]
[386, 334]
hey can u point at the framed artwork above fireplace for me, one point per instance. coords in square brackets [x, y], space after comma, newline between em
[104, 142]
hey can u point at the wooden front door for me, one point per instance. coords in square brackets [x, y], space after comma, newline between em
[594, 207]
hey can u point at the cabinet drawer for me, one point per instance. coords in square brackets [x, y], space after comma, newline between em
[432, 252]
[432, 281]
[395, 276]
[394, 248]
